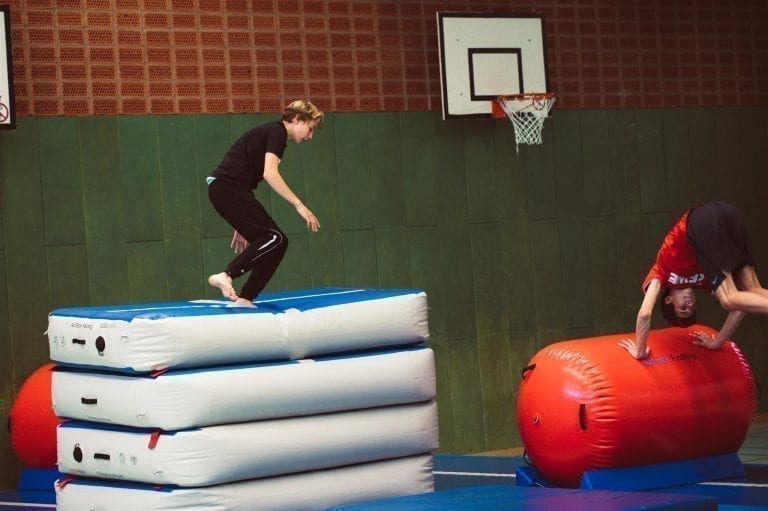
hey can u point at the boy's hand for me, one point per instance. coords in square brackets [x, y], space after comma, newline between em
[634, 350]
[705, 340]
[238, 243]
[313, 223]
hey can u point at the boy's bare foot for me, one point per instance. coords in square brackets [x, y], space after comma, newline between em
[224, 283]
[243, 302]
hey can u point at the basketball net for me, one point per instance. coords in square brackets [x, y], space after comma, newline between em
[527, 113]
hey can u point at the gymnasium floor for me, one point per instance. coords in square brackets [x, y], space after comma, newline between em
[464, 471]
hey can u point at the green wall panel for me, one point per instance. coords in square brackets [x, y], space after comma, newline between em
[142, 187]
[498, 383]
[444, 398]
[61, 181]
[68, 276]
[680, 177]
[6, 348]
[466, 398]
[604, 273]
[517, 276]
[450, 171]
[510, 175]
[21, 199]
[541, 183]
[179, 183]
[392, 257]
[622, 138]
[654, 194]
[482, 188]
[490, 297]
[569, 168]
[386, 170]
[147, 272]
[596, 152]
[703, 159]
[458, 276]
[360, 265]
[354, 172]
[102, 192]
[419, 175]
[574, 246]
[326, 253]
[548, 280]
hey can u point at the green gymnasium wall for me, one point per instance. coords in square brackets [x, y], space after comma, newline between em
[515, 250]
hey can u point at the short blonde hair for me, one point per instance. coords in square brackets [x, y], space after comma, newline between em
[304, 110]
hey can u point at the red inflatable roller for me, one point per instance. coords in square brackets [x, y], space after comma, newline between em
[586, 404]
[32, 422]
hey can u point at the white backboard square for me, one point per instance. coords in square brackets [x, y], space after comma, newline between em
[493, 69]
[486, 55]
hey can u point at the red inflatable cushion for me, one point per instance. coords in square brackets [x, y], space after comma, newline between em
[586, 404]
[32, 422]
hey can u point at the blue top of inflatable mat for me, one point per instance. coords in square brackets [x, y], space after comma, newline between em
[267, 303]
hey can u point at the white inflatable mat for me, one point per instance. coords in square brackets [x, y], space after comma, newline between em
[285, 325]
[309, 491]
[235, 452]
[183, 399]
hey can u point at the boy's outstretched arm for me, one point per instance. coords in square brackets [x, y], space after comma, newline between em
[277, 183]
[726, 331]
[638, 348]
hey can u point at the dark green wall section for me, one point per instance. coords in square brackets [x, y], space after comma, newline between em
[515, 249]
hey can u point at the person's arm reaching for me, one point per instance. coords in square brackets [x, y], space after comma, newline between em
[275, 180]
[726, 331]
[639, 347]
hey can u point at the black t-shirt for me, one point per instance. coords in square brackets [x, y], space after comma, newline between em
[244, 162]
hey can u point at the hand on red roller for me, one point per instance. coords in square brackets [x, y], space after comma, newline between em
[635, 350]
[706, 340]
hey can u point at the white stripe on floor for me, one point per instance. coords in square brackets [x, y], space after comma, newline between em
[476, 474]
[741, 485]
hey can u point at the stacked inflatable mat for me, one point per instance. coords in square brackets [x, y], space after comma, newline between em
[313, 399]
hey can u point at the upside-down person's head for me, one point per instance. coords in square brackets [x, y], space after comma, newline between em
[305, 111]
[678, 306]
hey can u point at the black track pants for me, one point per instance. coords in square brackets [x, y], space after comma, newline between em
[267, 243]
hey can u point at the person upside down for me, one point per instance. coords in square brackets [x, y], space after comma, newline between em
[708, 248]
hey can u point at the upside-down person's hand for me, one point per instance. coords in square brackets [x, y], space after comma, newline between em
[705, 340]
[238, 243]
[634, 350]
[313, 223]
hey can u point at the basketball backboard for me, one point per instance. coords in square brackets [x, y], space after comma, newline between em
[486, 55]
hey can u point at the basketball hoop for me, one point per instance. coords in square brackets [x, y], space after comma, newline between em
[527, 113]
